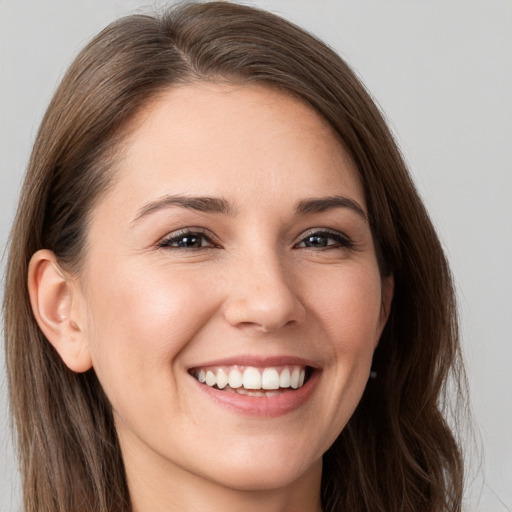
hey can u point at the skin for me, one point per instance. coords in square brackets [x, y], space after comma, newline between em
[142, 315]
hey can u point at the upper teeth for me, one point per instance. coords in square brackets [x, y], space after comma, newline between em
[251, 377]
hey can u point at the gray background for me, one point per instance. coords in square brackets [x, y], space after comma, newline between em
[442, 72]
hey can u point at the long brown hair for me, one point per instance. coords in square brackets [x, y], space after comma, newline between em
[397, 452]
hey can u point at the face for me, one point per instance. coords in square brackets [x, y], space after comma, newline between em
[231, 295]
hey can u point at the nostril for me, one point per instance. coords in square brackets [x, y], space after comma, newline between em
[266, 325]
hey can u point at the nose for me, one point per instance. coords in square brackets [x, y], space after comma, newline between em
[262, 295]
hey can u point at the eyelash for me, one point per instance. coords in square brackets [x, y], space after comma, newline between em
[187, 233]
[340, 240]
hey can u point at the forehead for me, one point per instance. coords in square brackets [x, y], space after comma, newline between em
[207, 138]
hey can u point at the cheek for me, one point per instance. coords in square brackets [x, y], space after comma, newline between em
[347, 302]
[139, 321]
[349, 312]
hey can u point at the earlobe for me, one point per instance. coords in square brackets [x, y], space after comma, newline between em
[53, 299]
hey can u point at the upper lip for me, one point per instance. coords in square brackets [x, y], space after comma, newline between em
[258, 361]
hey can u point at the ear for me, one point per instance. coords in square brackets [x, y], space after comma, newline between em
[387, 290]
[54, 297]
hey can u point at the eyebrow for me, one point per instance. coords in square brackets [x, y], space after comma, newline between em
[329, 203]
[220, 206]
[201, 204]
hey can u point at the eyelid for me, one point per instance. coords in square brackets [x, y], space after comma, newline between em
[346, 241]
[208, 235]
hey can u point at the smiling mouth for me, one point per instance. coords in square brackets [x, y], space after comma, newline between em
[253, 381]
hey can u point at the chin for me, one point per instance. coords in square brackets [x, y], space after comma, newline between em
[264, 476]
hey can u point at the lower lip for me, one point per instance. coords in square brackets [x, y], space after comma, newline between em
[262, 406]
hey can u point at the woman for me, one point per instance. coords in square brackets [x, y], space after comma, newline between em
[222, 244]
